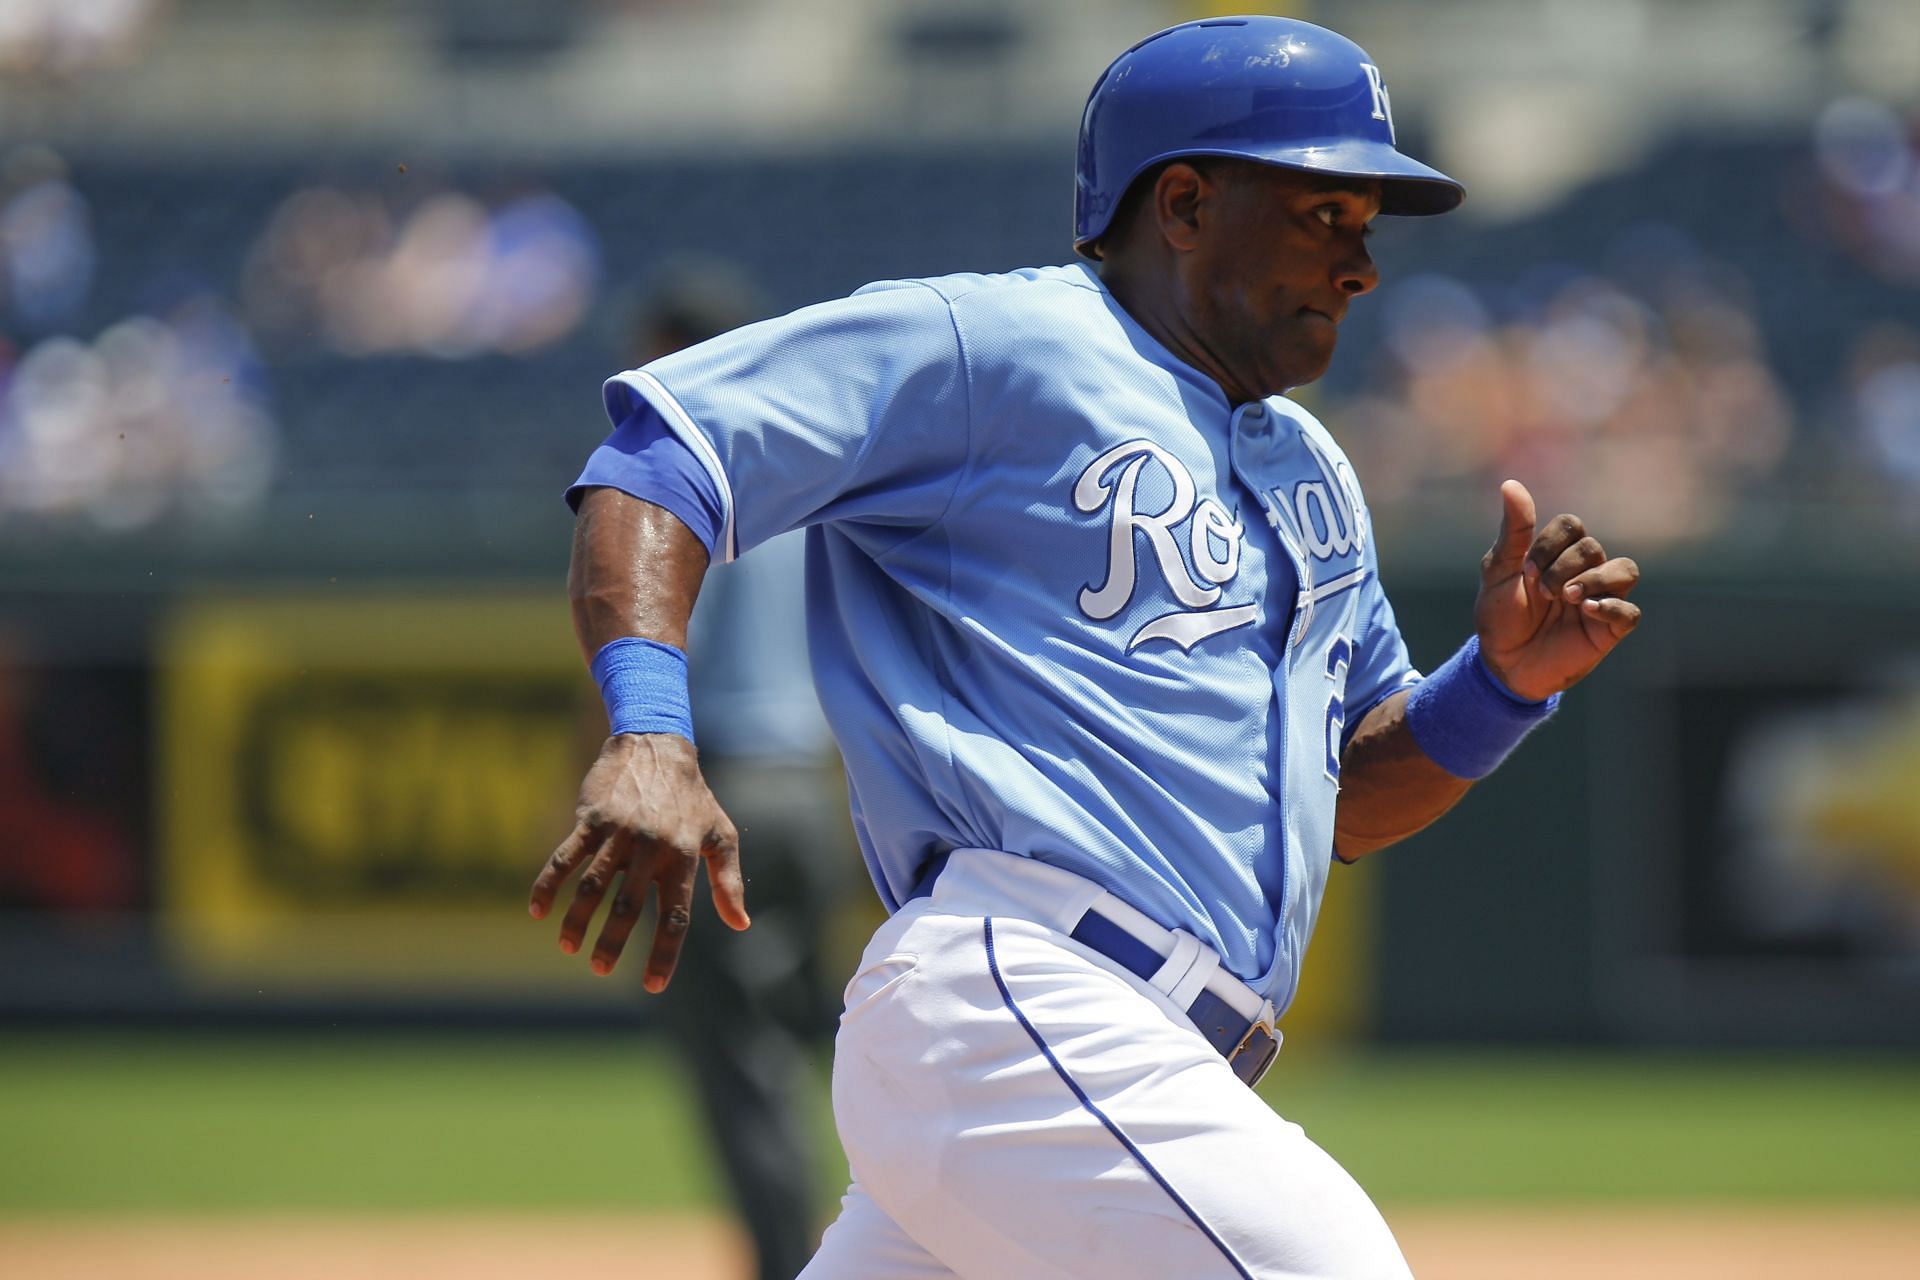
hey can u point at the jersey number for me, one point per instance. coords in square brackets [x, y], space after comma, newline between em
[1339, 655]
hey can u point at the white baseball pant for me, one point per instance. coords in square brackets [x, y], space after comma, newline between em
[1015, 1106]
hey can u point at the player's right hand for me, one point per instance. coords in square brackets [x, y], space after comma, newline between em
[645, 820]
[1552, 602]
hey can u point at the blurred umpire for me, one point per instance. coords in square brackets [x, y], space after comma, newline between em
[746, 1003]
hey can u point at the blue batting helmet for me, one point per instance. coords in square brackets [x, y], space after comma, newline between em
[1275, 90]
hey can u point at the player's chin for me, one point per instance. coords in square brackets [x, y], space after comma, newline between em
[1306, 354]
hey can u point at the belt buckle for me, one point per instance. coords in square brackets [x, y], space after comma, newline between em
[1255, 1052]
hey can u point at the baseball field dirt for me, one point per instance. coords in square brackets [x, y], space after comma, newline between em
[1442, 1244]
[155, 1156]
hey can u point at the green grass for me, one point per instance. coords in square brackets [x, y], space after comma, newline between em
[1581, 1128]
[225, 1124]
[152, 1123]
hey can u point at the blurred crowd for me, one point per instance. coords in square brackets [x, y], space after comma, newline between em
[1645, 389]
[55, 38]
[1643, 372]
[1869, 162]
[448, 277]
[1637, 372]
[168, 413]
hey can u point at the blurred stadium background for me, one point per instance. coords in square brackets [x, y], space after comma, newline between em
[304, 309]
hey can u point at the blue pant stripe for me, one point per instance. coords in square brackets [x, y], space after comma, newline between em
[993, 965]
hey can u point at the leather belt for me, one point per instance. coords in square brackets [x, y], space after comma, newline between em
[1169, 960]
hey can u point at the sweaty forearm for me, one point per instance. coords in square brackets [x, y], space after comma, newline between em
[636, 571]
[1389, 787]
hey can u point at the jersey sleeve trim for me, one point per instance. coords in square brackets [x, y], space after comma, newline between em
[644, 458]
[681, 423]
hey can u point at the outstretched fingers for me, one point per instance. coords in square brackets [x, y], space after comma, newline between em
[675, 888]
[599, 877]
[623, 913]
[560, 865]
[722, 853]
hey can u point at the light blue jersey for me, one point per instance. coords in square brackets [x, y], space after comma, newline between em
[1064, 599]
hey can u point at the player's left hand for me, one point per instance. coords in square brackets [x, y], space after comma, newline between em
[1551, 604]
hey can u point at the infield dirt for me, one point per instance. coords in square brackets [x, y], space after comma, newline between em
[1751, 1243]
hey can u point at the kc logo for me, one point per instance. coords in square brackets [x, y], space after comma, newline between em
[1382, 104]
[1213, 538]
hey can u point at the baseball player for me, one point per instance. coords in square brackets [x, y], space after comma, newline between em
[1095, 614]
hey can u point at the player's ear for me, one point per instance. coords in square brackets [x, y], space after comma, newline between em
[1178, 196]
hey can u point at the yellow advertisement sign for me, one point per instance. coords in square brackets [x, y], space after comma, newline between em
[356, 792]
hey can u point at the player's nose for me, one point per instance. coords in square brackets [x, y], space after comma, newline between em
[1355, 273]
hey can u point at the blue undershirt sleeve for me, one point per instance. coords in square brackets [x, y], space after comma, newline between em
[644, 458]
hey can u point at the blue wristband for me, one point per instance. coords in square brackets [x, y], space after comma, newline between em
[644, 684]
[1466, 720]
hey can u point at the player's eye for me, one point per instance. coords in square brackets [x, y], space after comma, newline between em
[1334, 215]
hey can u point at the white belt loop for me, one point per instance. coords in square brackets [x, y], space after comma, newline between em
[1168, 977]
[1198, 976]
